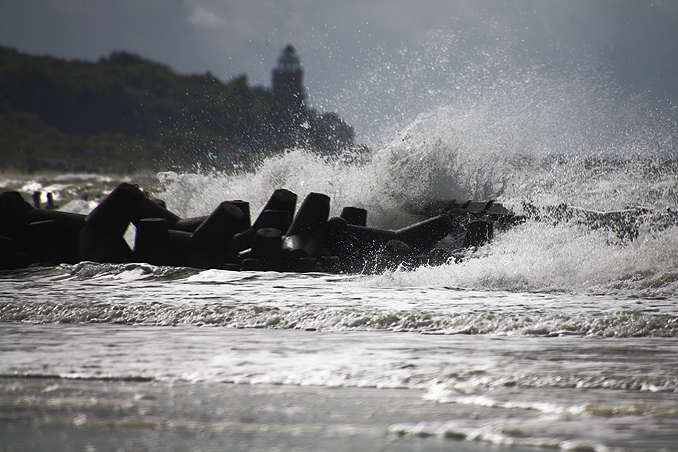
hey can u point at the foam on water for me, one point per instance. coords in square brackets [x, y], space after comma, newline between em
[564, 258]
[135, 294]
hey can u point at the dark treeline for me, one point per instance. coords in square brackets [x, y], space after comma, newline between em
[125, 112]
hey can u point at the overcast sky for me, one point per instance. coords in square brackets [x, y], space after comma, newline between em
[375, 63]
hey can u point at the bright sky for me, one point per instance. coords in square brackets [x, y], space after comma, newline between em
[376, 63]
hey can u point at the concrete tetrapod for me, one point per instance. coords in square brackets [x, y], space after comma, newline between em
[280, 239]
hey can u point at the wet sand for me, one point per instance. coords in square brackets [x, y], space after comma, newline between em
[116, 415]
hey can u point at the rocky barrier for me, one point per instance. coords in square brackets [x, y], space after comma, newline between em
[281, 238]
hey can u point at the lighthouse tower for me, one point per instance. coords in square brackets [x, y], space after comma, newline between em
[288, 77]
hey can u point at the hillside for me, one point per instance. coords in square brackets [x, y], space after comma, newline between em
[124, 113]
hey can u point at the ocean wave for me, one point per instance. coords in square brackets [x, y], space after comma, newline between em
[620, 324]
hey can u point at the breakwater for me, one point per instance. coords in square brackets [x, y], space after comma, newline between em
[284, 236]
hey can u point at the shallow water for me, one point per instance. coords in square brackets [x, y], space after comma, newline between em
[152, 356]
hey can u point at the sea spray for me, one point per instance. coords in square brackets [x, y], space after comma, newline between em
[526, 135]
[300, 171]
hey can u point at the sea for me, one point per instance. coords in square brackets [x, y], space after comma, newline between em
[560, 334]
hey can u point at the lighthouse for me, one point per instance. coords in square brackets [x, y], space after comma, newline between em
[288, 77]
